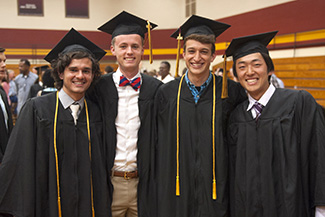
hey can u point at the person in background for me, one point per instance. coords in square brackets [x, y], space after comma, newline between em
[4, 79]
[219, 72]
[12, 94]
[38, 85]
[48, 83]
[277, 82]
[126, 99]
[275, 139]
[108, 69]
[164, 72]
[54, 164]
[23, 83]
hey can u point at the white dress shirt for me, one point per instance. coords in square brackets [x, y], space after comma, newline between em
[127, 124]
[263, 100]
[167, 79]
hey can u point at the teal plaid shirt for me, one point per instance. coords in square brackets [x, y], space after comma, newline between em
[196, 92]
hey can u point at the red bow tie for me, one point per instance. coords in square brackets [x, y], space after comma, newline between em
[135, 83]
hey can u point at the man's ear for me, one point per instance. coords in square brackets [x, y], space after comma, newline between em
[214, 56]
[113, 50]
[61, 75]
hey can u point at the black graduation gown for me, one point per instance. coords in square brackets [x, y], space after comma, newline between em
[34, 90]
[277, 166]
[195, 146]
[28, 186]
[4, 132]
[107, 97]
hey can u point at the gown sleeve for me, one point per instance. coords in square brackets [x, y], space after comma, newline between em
[17, 171]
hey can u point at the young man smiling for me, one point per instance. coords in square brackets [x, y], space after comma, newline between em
[54, 162]
[276, 141]
[191, 154]
[126, 99]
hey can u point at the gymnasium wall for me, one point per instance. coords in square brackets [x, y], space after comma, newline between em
[33, 37]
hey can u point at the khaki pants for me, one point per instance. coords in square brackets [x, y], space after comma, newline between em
[124, 197]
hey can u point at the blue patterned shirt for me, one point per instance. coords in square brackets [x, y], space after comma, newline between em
[195, 92]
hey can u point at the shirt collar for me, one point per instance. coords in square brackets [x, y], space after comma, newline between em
[264, 99]
[205, 84]
[28, 75]
[66, 100]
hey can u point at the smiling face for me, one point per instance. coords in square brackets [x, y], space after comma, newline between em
[128, 50]
[77, 77]
[252, 73]
[198, 57]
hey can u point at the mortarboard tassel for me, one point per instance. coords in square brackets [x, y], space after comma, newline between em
[224, 93]
[214, 190]
[214, 184]
[149, 39]
[59, 207]
[177, 137]
[179, 38]
[177, 186]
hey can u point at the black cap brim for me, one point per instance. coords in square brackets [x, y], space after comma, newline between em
[125, 24]
[201, 26]
[42, 68]
[74, 41]
[243, 46]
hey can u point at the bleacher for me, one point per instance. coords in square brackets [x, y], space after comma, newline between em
[307, 73]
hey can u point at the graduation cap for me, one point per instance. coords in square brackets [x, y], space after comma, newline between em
[200, 26]
[41, 68]
[74, 41]
[125, 24]
[243, 46]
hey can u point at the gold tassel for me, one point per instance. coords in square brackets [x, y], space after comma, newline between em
[177, 136]
[179, 38]
[177, 186]
[59, 207]
[224, 93]
[149, 39]
[214, 185]
[214, 190]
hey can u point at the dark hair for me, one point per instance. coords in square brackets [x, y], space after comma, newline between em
[166, 63]
[2, 50]
[64, 61]
[25, 61]
[204, 39]
[47, 79]
[6, 78]
[109, 69]
[268, 61]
